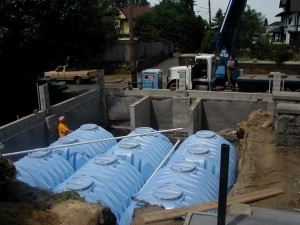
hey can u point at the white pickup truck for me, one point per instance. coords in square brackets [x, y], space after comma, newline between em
[66, 74]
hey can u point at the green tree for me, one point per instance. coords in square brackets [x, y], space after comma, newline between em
[47, 32]
[173, 21]
[37, 35]
[252, 23]
[207, 44]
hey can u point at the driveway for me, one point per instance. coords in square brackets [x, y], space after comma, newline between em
[121, 80]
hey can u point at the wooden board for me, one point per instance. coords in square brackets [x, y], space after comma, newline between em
[163, 215]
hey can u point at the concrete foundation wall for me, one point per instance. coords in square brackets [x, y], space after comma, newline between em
[175, 109]
[195, 112]
[220, 114]
[140, 113]
[181, 113]
[159, 109]
[40, 130]
[161, 113]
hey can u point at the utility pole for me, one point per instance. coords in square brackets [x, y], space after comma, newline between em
[132, 45]
[209, 14]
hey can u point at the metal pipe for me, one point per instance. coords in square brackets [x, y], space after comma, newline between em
[223, 184]
[89, 142]
[160, 165]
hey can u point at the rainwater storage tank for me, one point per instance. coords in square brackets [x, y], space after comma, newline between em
[178, 184]
[77, 154]
[204, 149]
[106, 180]
[43, 169]
[93, 132]
[190, 177]
[144, 152]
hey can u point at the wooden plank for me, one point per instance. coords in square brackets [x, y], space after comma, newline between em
[163, 215]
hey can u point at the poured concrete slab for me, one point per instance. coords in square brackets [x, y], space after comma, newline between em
[261, 216]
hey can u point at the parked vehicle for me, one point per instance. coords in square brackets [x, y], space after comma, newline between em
[54, 86]
[203, 70]
[67, 74]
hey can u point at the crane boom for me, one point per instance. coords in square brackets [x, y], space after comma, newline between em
[226, 39]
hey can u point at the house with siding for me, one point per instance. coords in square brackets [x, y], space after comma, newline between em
[290, 22]
[122, 17]
[274, 31]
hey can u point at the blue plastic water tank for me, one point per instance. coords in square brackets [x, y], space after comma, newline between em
[106, 180]
[204, 149]
[78, 154]
[191, 176]
[43, 169]
[178, 184]
[92, 132]
[144, 152]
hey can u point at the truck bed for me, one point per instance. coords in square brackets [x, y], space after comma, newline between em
[264, 83]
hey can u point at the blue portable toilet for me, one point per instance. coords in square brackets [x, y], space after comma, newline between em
[152, 78]
[43, 169]
[106, 180]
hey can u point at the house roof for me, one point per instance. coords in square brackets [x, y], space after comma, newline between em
[290, 5]
[275, 24]
[137, 11]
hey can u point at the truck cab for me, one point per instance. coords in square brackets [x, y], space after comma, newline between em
[194, 75]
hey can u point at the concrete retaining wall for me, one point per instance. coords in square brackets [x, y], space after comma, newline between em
[40, 130]
[140, 113]
[191, 110]
[115, 107]
[287, 118]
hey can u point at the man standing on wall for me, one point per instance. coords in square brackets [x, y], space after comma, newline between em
[230, 68]
[63, 128]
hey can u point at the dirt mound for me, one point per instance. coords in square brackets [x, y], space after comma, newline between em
[22, 205]
[264, 165]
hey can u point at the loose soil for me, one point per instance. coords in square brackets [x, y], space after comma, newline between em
[262, 165]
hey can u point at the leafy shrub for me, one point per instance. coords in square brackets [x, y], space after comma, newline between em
[281, 53]
[262, 49]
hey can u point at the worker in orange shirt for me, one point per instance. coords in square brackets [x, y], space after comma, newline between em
[63, 128]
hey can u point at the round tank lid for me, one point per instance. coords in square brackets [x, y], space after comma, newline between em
[168, 193]
[129, 144]
[68, 140]
[142, 130]
[106, 159]
[205, 134]
[40, 154]
[198, 150]
[183, 166]
[145, 130]
[89, 127]
[79, 183]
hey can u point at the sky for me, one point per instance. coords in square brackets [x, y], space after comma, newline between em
[268, 8]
